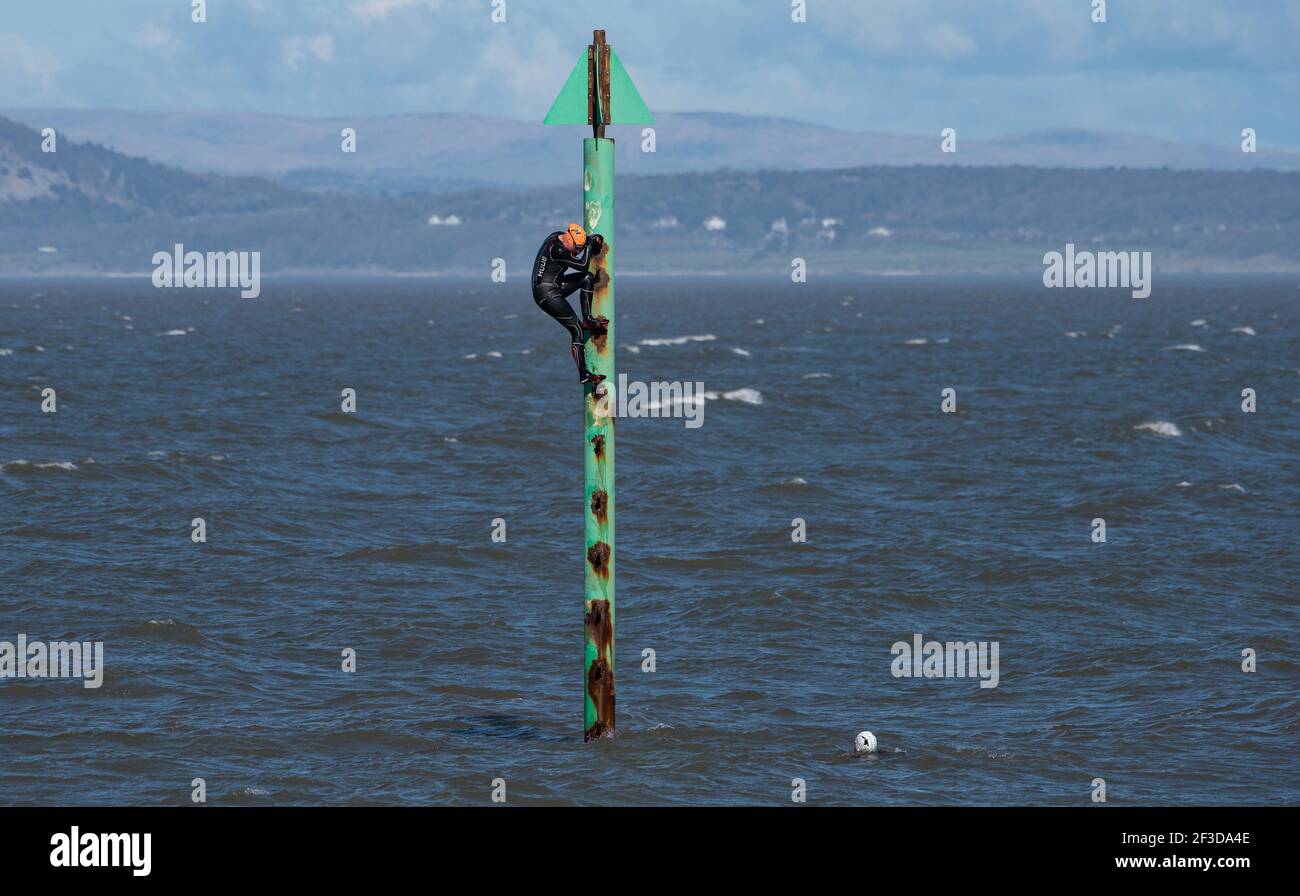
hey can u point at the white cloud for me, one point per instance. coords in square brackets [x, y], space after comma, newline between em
[533, 68]
[151, 36]
[951, 42]
[379, 9]
[29, 58]
[923, 26]
[298, 47]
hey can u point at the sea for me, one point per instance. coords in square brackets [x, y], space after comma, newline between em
[386, 602]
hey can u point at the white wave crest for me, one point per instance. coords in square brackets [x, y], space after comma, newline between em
[1160, 428]
[678, 340]
[53, 465]
[748, 396]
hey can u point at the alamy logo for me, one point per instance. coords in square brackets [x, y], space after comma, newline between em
[654, 399]
[955, 659]
[78, 850]
[57, 659]
[219, 270]
[1130, 270]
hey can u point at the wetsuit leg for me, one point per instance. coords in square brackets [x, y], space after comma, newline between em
[570, 283]
[583, 282]
[558, 307]
[554, 303]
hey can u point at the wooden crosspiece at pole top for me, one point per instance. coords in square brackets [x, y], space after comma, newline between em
[599, 92]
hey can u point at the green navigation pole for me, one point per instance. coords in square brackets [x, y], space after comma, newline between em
[599, 92]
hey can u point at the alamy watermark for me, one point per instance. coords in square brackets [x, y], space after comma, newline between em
[954, 659]
[56, 659]
[1130, 270]
[77, 850]
[209, 269]
[634, 398]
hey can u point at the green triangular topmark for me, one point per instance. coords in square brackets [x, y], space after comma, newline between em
[570, 107]
[625, 103]
[627, 107]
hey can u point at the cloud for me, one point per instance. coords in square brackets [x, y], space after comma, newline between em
[1193, 70]
[152, 36]
[379, 9]
[28, 58]
[1030, 36]
[298, 47]
[532, 69]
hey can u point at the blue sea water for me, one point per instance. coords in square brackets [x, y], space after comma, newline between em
[372, 531]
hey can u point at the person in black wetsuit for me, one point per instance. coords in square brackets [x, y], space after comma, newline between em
[568, 250]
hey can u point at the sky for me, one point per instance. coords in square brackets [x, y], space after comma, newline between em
[1195, 71]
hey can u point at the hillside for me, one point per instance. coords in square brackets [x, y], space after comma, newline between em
[442, 152]
[87, 208]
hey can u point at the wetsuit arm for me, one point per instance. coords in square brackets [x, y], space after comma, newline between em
[560, 255]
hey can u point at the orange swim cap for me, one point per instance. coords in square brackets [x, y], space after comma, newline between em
[573, 238]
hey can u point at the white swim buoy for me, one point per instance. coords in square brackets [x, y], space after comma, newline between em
[865, 742]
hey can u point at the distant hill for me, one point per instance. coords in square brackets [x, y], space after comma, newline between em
[86, 182]
[438, 153]
[86, 208]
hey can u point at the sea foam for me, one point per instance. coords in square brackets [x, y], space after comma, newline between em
[748, 396]
[1160, 428]
[678, 340]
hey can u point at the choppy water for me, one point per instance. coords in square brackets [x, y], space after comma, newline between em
[372, 531]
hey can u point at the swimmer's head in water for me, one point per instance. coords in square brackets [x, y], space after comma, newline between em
[865, 742]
